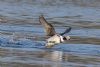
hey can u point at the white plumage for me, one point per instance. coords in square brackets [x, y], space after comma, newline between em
[56, 39]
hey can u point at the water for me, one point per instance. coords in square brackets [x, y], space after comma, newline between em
[22, 37]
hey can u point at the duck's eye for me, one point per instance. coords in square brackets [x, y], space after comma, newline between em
[64, 38]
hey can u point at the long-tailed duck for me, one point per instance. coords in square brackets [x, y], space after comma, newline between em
[55, 38]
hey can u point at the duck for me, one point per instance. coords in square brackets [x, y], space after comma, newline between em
[54, 38]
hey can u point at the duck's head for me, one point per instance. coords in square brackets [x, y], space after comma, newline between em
[66, 38]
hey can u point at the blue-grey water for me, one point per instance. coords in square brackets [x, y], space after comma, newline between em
[22, 37]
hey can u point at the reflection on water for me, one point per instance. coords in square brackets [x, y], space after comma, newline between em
[22, 38]
[57, 55]
[48, 57]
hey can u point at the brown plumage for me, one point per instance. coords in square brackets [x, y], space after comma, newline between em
[49, 29]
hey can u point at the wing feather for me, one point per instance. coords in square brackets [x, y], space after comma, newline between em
[49, 29]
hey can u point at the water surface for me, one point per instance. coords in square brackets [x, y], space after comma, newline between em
[22, 37]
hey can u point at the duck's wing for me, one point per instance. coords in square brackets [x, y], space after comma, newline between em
[66, 31]
[49, 29]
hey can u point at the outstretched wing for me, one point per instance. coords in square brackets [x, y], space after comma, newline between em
[66, 31]
[49, 29]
